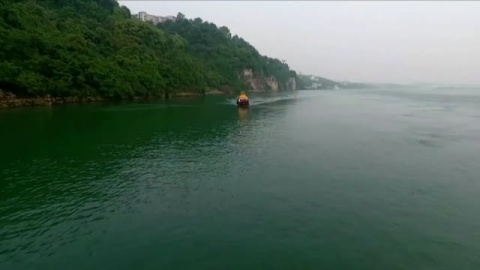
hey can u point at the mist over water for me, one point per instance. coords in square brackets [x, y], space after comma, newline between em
[374, 178]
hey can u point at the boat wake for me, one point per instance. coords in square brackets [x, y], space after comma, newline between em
[256, 101]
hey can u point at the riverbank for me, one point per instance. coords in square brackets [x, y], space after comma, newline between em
[10, 100]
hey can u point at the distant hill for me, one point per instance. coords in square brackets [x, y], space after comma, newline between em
[313, 82]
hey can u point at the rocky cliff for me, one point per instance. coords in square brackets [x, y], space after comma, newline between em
[265, 83]
[292, 83]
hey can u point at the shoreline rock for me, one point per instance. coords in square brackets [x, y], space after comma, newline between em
[10, 100]
[217, 92]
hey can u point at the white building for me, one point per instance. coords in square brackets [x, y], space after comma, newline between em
[144, 16]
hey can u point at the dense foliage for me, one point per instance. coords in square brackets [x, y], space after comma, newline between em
[225, 55]
[93, 48]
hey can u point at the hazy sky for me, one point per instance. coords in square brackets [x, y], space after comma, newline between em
[379, 41]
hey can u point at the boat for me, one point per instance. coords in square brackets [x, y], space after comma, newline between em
[242, 100]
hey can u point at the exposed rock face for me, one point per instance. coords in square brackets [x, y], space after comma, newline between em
[261, 83]
[247, 73]
[272, 83]
[253, 82]
[292, 83]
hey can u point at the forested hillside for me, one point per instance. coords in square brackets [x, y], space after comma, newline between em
[84, 48]
[225, 55]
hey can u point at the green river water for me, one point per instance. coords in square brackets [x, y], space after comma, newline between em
[348, 179]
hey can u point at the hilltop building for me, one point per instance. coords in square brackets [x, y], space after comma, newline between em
[144, 16]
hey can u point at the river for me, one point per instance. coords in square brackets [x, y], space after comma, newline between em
[347, 179]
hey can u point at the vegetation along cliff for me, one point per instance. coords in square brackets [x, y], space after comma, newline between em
[69, 50]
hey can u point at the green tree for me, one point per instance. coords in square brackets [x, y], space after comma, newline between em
[94, 48]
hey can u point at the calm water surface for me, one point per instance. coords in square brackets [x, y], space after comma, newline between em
[365, 179]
